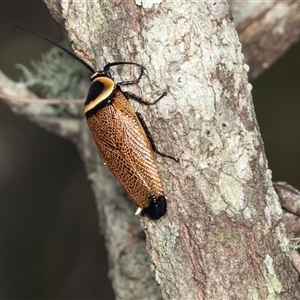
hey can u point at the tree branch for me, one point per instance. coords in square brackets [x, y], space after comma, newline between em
[267, 29]
[45, 115]
[290, 201]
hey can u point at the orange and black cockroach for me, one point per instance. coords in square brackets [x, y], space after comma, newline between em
[124, 141]
[122, 137]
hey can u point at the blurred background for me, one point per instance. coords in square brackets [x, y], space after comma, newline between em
[50, 247]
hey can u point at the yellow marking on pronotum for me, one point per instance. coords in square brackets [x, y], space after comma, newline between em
[108, 87]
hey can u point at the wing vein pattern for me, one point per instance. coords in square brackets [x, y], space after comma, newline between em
[125, 148]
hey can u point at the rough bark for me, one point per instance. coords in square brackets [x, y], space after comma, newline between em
[267, 29]
[222, 237]
[290, 202]
[289, 198]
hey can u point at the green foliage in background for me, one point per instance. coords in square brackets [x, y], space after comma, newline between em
[57, 75]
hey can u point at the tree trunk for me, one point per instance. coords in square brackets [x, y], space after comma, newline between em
[221, 237]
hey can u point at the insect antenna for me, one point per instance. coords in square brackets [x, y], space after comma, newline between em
[59, 46]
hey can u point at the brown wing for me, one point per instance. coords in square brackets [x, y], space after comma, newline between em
[125, 148]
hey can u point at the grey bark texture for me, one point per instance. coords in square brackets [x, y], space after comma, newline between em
[221, 237]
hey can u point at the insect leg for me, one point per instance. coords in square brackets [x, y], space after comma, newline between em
[133, 81]
[129, 82]
[143, 101]
[151, 139]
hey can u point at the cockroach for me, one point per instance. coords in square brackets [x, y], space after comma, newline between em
[122, 137]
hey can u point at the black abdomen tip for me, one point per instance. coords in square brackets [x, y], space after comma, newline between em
[157, 207]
